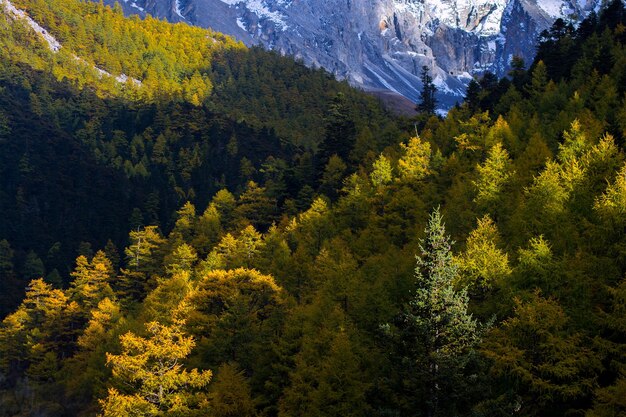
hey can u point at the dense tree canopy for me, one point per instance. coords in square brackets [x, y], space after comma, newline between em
[238, 234]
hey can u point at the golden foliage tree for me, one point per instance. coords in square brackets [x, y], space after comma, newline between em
[483, 263]
[415, 162]
[153, 379]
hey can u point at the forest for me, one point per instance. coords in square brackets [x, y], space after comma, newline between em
[234, 234]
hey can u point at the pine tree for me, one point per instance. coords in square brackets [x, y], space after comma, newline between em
[428, 100]
[185, 224]
[435, 335]
[143, 259]
[340, 131]
[208, 230]
[225, 204]
[539, 81]
[255, 207]
[518, 71]
[182, 259]
[332, 176]
[610, 397]
[9, 285]
[472, 95]
[42, 324]
[235, 315]
[33, 267]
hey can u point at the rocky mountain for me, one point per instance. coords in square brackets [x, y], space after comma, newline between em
[383, 44]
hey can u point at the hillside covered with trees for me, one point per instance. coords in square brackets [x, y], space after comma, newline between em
[237, 235]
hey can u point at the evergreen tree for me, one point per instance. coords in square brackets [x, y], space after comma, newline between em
[9, 285]
[340, 131]
[225, 203]
[428, 101]
[33, 267]
[435, 335]
[518, 71]
[144, 258]
[483, 265]
[472, 95]
[332, 176]
[235, 316]
[255, 207]
[92, 280]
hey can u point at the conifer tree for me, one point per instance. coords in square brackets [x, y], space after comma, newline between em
[382, 172]
[255, 207]
[334, 172]
[153, 381]
[41, 325]
[435, 335]
[545, 362]
[181, 260]
[539, 80]
[340, 131]
[472, 95]
[492, 176]
[428, 101]
[185, 224]
[230, 394]
[415, 162]
[143, 258]
[8, 281]
[235, 315]
[208, 230]
[610, 398]
[33, 267]
[518, 71]
[483, 264]
[91, 282]
[225, 204]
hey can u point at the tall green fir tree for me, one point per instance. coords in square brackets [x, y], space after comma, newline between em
[434, 337]
[428, 100]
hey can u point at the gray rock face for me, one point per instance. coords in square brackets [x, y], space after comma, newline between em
[382, 44]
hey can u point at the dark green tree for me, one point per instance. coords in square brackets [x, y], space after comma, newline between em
[33, 267]
[472, 95]
[428, 101]
[518, 71]
[9, 285]
[340, 131]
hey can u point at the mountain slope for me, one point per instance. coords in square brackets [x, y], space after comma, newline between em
[301, 291]
[383, 43]
[205, 113]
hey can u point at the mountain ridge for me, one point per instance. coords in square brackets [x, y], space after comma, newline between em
[383, 43]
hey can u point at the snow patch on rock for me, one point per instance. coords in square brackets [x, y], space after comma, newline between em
[261, 9]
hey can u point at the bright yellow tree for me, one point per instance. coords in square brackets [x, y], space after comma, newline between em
[152, 375]
[415, 162]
